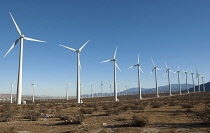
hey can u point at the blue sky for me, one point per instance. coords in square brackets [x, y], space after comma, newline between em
[173, 31]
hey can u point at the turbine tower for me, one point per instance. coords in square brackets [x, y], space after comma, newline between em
[169, 82]
[21, 38]
[198, 77]
[187, 88]
[34, 86]
[178, 72]
[156, 78]
[11, 83]
[204, 89]
[91, 85]
[115, 79]
[192, 74]
[102, 93]
[139, 81]
[110, 88]
[67, 89]
[126, 88]
[78, 68]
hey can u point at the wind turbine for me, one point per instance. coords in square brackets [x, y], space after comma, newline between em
[169, 82]
[204, 89]
[139, 81]
[178, 72]
[110, 87]
[156, 78]
[115, 82]
[192, 74]
[67, 88]
[126, 88]
[102, 93]
[11, 83]
[185, 72]
[198, 77]
[78, 68]
[34, 86]
[21, 38]
[91, 85]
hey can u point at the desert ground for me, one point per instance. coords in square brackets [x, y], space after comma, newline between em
[185, 113]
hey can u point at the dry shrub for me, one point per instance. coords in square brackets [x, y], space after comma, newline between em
[8, 113]
[187, 105]
[115, 111]
[107, 107]
[204, 115]
[8, 130]
[73, 119]
[73, 105]
[172, 103]
[139, 121]
[86, 111]
[156, 104]
[32, 115]
[136, 107]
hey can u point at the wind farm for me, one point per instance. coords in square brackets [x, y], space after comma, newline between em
[104, 97]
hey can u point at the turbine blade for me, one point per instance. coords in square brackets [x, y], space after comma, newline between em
[30, 39]
[153, 62]
[166, 65]
[131, 67]
[158, 68]
[141, 69]
[138, 58]
[197, 75]
[68, 47]
[15, 23]
[105, 61]
[165, 74]
[83, 45]
[178, 68]
[151, 72]
[115, 52]
[117, 66]
[13, 45]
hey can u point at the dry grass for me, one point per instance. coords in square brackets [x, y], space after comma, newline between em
[129, 115]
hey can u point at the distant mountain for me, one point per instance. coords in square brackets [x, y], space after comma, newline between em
[161, 89]
[207, 87]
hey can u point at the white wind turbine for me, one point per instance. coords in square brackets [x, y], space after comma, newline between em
[67, 89]
[91, 87]
[178, 72]
[156, 78]
[110, 87]
[102, 93]
[185, 72]
[204, 89]
[78, 68]
[139, 81]
[169, 82]
[126, 88]
[192, 74]
[21, 38]
[198, 77]
[34, 86]
[11, 83]
[115, 82]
